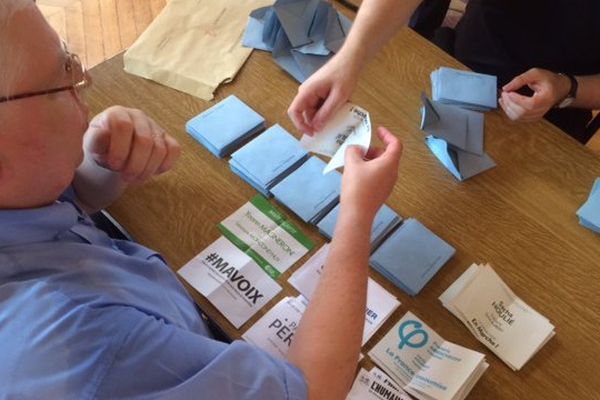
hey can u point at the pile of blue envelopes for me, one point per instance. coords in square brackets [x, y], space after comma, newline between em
[589, 213]
[268, 158]
[309, 193]
[302, 35]
[411, 256]
[464, 89]
[224, 126]
[385, 221]
[455, 136]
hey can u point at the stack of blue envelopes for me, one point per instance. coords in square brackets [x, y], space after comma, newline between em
[309, 193]
[464, 88]
[455, 136]
[411, 256]
[268, 158]
[301, 34]
[589, 213]
[385, 221]
[225, 125]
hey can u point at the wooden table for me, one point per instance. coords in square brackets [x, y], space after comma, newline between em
[519, 216]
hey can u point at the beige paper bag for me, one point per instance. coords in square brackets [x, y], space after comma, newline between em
[193, 45]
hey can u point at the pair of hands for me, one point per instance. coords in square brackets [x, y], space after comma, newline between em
[127, 141]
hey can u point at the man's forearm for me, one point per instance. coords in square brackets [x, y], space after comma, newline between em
[588, 92]
[327, 343]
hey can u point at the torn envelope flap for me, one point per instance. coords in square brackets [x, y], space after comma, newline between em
[351, 125]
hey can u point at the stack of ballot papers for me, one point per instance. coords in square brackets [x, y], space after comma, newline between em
[224, 126]
[230, 280]
[589, 213]
[380, 303]
[496, 316]
[275, 331]
[302, 35]
[375, 385]
[464, 89]
[411, 256]
[455, 136]
[350, 126]
[385, 221]
[309, 193]
[424, 364]
[268, 158]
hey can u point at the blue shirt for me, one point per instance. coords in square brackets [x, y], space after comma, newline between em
[83, 316]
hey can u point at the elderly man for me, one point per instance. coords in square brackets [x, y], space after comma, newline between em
[83, 316]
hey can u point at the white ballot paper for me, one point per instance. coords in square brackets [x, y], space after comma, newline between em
[375, 385]
[424, 364]
[380, 303]
[351, 125]
[275, 330]
[230, 280]
[496, 316]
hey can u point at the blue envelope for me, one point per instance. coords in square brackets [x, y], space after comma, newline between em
[464, 88]
[255, 29]
[296, 17]
[268, 158]
[309, 193]
[317, 32]
[411, 256]
[384, 222]
[589, 213]
[461, 164]
[225, 125]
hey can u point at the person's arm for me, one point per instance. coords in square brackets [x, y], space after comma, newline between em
[121, 146]
[332, 85]
[549, 88]
[328, 340]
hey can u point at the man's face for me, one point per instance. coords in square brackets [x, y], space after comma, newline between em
[40, 137]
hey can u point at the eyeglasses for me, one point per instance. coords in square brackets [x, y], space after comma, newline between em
[79, 75]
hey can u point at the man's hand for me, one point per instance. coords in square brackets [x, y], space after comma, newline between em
[321, 95]
[127, 141]
[366, 184]
[548, 89]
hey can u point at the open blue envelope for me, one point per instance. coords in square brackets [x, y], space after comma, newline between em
[317, 32]
[385, 221]
[411, 256]
[255, 30]
[464, 88]
[268, 158]
[296, 17]
[309, 193]
[589, 213]
[461, 164]
[225, 125]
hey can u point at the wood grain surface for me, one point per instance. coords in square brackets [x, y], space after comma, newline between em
[519, 216]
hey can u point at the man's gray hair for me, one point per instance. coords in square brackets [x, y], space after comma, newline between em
[10, 52]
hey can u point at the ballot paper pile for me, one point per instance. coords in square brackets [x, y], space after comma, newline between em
[380, 303]
[589, 213]
[224, 126]
[309, 193]
[453, 123]
[386, 220]
[424, 364]
[411, 256]
[375, 385]
[496, 316]
[268, 158]
[302, 35]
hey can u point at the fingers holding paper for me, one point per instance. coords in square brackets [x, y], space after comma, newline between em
[127, 141]
[369, 179]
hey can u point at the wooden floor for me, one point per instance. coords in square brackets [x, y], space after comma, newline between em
[99, 29]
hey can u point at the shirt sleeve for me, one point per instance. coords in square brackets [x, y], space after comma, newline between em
[163, 361]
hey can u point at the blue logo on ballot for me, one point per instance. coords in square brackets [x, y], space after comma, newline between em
[415, 338]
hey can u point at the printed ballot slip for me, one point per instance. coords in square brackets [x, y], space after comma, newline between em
[375, 385]
[380, 303]
[230, 280]
[496, 316]
[424, 364]
[275, 330]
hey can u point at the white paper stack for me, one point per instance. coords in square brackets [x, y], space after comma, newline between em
[424, 364]
[380, 303]
[375, 385]
[496, 316]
